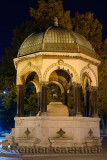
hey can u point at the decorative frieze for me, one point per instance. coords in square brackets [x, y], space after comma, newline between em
[61, 63]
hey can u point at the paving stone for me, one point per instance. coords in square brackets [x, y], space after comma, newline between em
[14, 155]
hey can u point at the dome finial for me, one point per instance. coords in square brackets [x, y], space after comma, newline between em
[55, 21]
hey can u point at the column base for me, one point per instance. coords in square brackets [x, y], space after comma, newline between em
[95, 115]
[19, 115]
[43, 114]
[78, 114]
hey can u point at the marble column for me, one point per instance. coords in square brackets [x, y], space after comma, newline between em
[65, 98]
[20, 100]
[87, 102]
[94, 112]
[43, 97]
[77, 88]
[38, 95]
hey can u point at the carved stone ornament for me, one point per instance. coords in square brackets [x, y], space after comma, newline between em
[27, 132]
[61, 132]
[55, 21]
[29, 64]
[60, 61]
[54, 66]
[90, 133]
[76, 84]
[93, 88]
[88, 65]
[37, 141]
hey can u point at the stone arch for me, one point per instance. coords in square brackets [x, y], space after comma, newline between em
[63, 66]
[86, 81]
[21, 77]
[37, 85]
[91, 73]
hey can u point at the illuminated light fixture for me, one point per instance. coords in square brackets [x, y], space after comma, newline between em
[4, 92]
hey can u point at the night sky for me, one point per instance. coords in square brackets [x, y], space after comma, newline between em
[14, 12]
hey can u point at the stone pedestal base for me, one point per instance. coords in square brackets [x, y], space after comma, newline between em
[78, 114]
[60, 142]
[95, 115]
[36, 131]
[26, 142]
[94, 141]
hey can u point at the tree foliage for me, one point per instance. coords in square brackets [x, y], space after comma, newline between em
[102, 85]
[7, 84]
[104, 50]
[31, 100]
[89, 27]
[102, 88]
[47, 11]
[53, 93]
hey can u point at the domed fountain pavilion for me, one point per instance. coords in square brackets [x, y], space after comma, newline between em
[61, 56]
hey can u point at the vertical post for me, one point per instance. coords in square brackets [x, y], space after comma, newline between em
[87, 102]
[94, 111]
[65, 98]
[77, 110]
[20, 101]
[38, 95]
[43, 97]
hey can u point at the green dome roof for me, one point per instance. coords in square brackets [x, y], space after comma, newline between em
[56, 39]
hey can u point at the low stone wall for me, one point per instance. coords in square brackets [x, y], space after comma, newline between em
[36, 131]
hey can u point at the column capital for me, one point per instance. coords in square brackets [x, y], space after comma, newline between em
[43, 83]
[75, 84]
[93, 88]
[20, 86]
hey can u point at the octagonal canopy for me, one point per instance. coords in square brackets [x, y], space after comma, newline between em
[56, 39]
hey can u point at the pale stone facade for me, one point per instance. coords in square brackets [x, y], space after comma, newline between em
[53, 57]
[77, 64]
[44, 127]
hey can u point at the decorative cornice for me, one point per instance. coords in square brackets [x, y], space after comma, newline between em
[43, 83]
[59, 64]
[61, 54]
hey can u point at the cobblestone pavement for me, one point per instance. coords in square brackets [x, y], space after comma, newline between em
[13, 155]
[67, 157]
[100, 156]
[9, 158]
